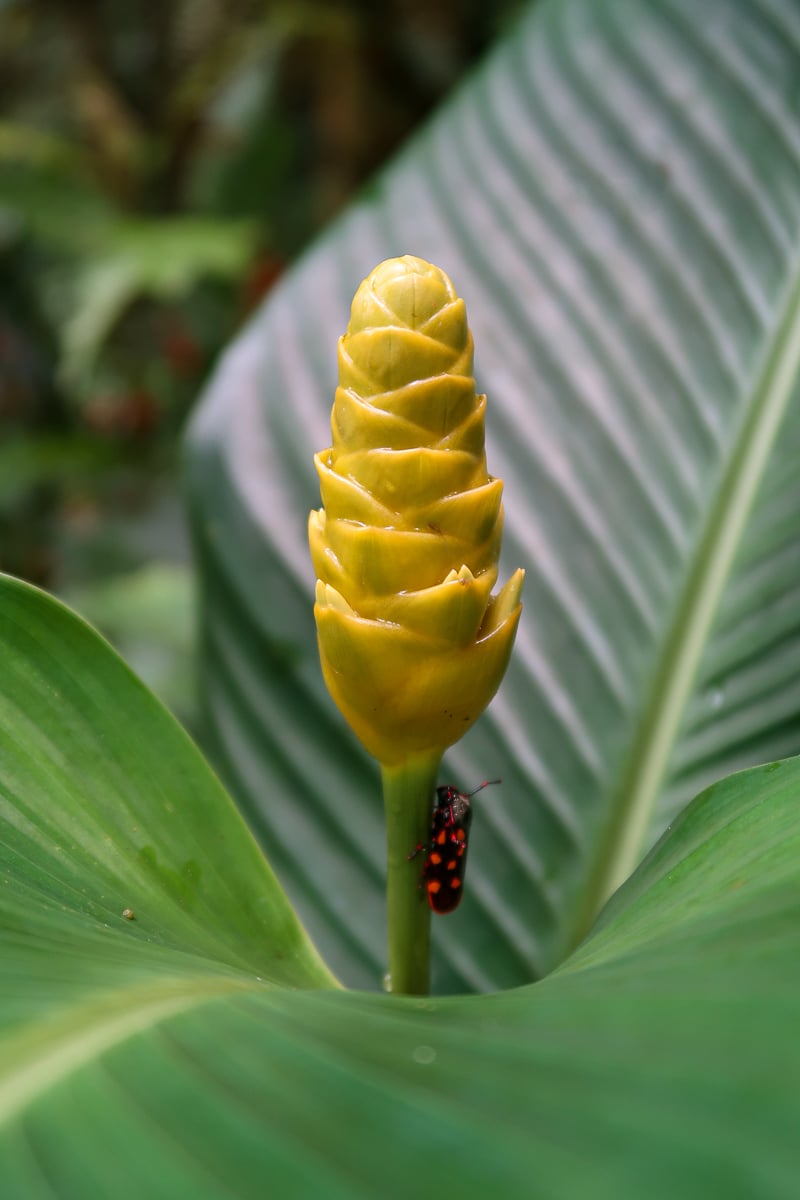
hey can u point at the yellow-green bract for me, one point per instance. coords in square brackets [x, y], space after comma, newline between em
[412, 643]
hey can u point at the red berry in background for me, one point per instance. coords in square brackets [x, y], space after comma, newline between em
[181, 349]
[262, 276]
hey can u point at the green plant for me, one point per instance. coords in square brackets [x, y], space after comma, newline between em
[617, 194]
[616, 199]
[412, 642]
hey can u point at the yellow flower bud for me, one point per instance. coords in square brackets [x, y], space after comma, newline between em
[405, 548]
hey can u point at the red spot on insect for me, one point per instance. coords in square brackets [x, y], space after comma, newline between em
[443, 878]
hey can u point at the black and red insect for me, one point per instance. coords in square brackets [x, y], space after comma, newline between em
[446, 860]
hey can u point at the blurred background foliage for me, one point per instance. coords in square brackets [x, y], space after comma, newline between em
[160, 166]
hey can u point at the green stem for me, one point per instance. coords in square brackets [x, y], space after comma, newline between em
[408, 792]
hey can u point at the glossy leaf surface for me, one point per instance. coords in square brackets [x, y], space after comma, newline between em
[200, 1050]
[109, 809]
[617, 197]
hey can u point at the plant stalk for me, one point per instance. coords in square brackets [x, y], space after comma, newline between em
[408, 792]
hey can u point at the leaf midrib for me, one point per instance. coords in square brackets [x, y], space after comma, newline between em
[619, 848]
[41, 1055]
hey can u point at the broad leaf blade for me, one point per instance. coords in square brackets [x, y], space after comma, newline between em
[617, 196]
[107, 807]
[147, 1059]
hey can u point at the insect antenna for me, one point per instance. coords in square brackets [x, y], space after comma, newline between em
[481, 786]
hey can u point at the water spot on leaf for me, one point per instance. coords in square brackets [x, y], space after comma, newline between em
[424, 1055]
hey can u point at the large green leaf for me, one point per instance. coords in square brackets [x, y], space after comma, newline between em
[107, 807]
[200, 1049]
[617, 195]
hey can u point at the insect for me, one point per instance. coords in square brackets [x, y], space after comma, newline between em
[446, 861]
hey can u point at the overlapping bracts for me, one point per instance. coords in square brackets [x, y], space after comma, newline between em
[405, 548]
